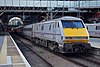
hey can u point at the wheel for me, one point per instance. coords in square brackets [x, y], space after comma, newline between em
[49, 45]
[56, 49]
[46, 45]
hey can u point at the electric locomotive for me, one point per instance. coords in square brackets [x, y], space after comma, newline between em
[66, 34]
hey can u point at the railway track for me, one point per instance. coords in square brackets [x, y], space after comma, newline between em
[87, 60]
[30, 53]
[82, 60]
[90, 59]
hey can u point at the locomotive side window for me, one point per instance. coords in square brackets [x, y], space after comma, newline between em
[58, 24]
[50, 27]
[72, 24]
[42, 28]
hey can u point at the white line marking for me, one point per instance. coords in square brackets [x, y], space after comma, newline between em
[24, 59]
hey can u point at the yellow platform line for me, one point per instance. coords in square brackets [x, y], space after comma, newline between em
[3, 54]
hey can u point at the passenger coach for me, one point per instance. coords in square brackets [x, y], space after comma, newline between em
[93, 29]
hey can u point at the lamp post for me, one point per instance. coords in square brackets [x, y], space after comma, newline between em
[79, 8]
[51, 12]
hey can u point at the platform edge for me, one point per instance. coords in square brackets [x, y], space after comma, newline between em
[24, 59]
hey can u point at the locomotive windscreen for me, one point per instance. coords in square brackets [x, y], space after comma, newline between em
[72, 24]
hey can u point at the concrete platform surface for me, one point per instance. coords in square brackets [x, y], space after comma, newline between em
[1, 42]
[10, 54]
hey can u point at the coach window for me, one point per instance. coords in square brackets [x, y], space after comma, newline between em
[87, 27]
[96, 27]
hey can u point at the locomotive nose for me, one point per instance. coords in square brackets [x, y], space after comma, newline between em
[75, 32]
[75, 35]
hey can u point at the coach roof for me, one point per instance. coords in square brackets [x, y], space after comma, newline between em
[62, 18]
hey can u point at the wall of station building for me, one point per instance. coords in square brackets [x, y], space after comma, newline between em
[50, 3]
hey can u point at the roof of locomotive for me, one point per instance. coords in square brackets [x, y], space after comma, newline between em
[62, 18]
[69, 18]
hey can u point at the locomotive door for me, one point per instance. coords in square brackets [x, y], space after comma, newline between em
[57, 32]
[32, 31]
[54, 31]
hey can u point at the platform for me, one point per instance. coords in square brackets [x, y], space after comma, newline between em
[10, 54]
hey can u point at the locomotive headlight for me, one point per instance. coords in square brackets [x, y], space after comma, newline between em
[68, 37]
[77, 38]
[84, 37]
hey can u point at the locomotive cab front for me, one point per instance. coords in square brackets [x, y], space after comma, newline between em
[75, 36]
